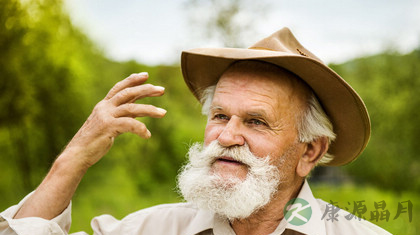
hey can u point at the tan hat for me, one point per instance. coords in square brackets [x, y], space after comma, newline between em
[203, 67]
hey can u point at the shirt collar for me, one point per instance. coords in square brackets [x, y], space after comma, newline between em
[204, 220]
[314, 225]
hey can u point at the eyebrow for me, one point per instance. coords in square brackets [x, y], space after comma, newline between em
[260, 114]
[217, 107]
[255, 113]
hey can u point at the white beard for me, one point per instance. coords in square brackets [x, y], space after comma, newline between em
[232, 198]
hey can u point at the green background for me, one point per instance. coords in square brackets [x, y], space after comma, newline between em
[52, 75]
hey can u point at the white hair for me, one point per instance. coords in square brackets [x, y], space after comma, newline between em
[312, 124]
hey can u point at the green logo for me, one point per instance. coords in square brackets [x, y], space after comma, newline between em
[297, 211]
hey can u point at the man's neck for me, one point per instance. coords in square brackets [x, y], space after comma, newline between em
[266, 220]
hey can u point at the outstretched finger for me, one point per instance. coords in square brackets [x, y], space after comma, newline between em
[134, 79]
[131, 94]
[139, 110]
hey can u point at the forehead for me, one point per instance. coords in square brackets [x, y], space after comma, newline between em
[249, 80]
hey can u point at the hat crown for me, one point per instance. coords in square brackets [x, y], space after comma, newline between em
[284, 41]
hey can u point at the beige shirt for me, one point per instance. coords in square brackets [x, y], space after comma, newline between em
[184, 219]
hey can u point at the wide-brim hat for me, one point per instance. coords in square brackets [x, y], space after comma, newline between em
[202, 67]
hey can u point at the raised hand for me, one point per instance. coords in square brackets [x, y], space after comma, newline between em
[115, 115]
[112, 116]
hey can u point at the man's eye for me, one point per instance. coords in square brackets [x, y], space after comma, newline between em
[257, 122]
[221, 117]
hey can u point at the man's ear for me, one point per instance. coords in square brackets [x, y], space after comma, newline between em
[312, 154]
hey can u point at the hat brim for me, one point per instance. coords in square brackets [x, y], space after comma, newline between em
[203, 67]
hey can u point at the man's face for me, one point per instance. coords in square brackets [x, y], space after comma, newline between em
[260, 110]
[251, 148]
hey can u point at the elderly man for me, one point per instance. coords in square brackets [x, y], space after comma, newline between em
[274, 111]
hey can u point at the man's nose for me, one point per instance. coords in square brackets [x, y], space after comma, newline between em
[231, 134]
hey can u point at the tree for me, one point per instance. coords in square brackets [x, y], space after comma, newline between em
[43, 101]
[232, 23]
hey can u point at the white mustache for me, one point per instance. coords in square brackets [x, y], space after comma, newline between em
[242, 154]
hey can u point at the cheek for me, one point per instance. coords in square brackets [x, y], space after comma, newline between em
[261, 147]
[210, 134]
[289, 159]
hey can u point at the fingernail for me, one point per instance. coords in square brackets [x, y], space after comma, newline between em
[161, 88]
[144, 74]
[149, 134]
[163, 111]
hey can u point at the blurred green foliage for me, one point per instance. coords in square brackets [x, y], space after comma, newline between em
[52, 75]
[389, 84]
[38, 68]
[345, 196]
